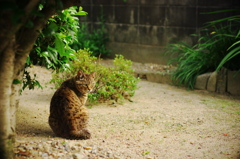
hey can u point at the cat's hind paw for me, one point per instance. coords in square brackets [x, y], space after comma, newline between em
[83, 134]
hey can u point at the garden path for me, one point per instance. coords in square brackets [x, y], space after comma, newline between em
[162, 122]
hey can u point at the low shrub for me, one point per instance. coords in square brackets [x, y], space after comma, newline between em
[113, 83]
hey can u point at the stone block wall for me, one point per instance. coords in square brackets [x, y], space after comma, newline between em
[223, 82]
[141, 29]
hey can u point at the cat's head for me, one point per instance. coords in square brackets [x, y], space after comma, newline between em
[85, 82]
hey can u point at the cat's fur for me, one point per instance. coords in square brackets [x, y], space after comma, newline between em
[68, 114]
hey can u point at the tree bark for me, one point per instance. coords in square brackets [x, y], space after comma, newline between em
[6, 78]
[16, 43]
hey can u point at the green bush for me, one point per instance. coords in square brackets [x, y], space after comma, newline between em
[113, 83]
[209, 53]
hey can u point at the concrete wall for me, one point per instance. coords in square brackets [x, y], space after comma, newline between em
[140, 29]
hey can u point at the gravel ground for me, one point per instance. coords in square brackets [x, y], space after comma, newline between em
[162, 122]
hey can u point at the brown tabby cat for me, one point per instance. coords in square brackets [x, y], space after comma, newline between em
[68, 115]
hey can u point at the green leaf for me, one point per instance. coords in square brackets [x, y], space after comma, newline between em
[53, 55]
[53, 26]
[40, 6]
[16, 81]
[28, 61]
[221, 11]
[145, 153]
[44, 54]
[238, 42]
[229, 56]
[59, 45]
[52, 20]
[81, 13]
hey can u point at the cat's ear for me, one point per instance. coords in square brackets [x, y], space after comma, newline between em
[93, 74]
[80, 74]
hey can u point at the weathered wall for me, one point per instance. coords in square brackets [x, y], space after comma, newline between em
[140, 29]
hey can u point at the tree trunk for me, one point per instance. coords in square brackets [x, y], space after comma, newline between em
[6, 78]
[14, 102]
[13, 54]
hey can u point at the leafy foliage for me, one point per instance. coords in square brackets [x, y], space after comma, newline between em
[113, 83]
[60, 39]
[52, 48]
[233, 54]
[191, 63]
[231, 59]
[95, 40]
[210, 53]
[30, 82]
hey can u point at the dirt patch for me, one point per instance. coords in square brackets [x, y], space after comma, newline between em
[162, 122]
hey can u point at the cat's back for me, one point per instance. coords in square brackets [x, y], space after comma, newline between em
[63, 95]
[64, 90]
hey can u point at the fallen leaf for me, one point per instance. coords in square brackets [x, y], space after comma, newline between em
[87, 148]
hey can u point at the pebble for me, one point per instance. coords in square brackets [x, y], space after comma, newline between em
[57, 149]
[77, 156]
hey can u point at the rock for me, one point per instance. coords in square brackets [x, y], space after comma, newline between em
[40, 147]
[48, 142]
[22, 150]
[233, 84]
[45, 155]
[46, 147]
[67, 147]
[201, 81]
[222, 81]
[77, 156]
[34, 153]
[61, 154]
[212, 82]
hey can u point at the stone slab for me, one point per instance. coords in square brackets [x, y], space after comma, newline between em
[212, 82]
[201, 81]
[222, 81]
[233, 82]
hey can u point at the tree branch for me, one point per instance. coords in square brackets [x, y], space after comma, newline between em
[7, 26]
[28, 36]
[32, 4]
